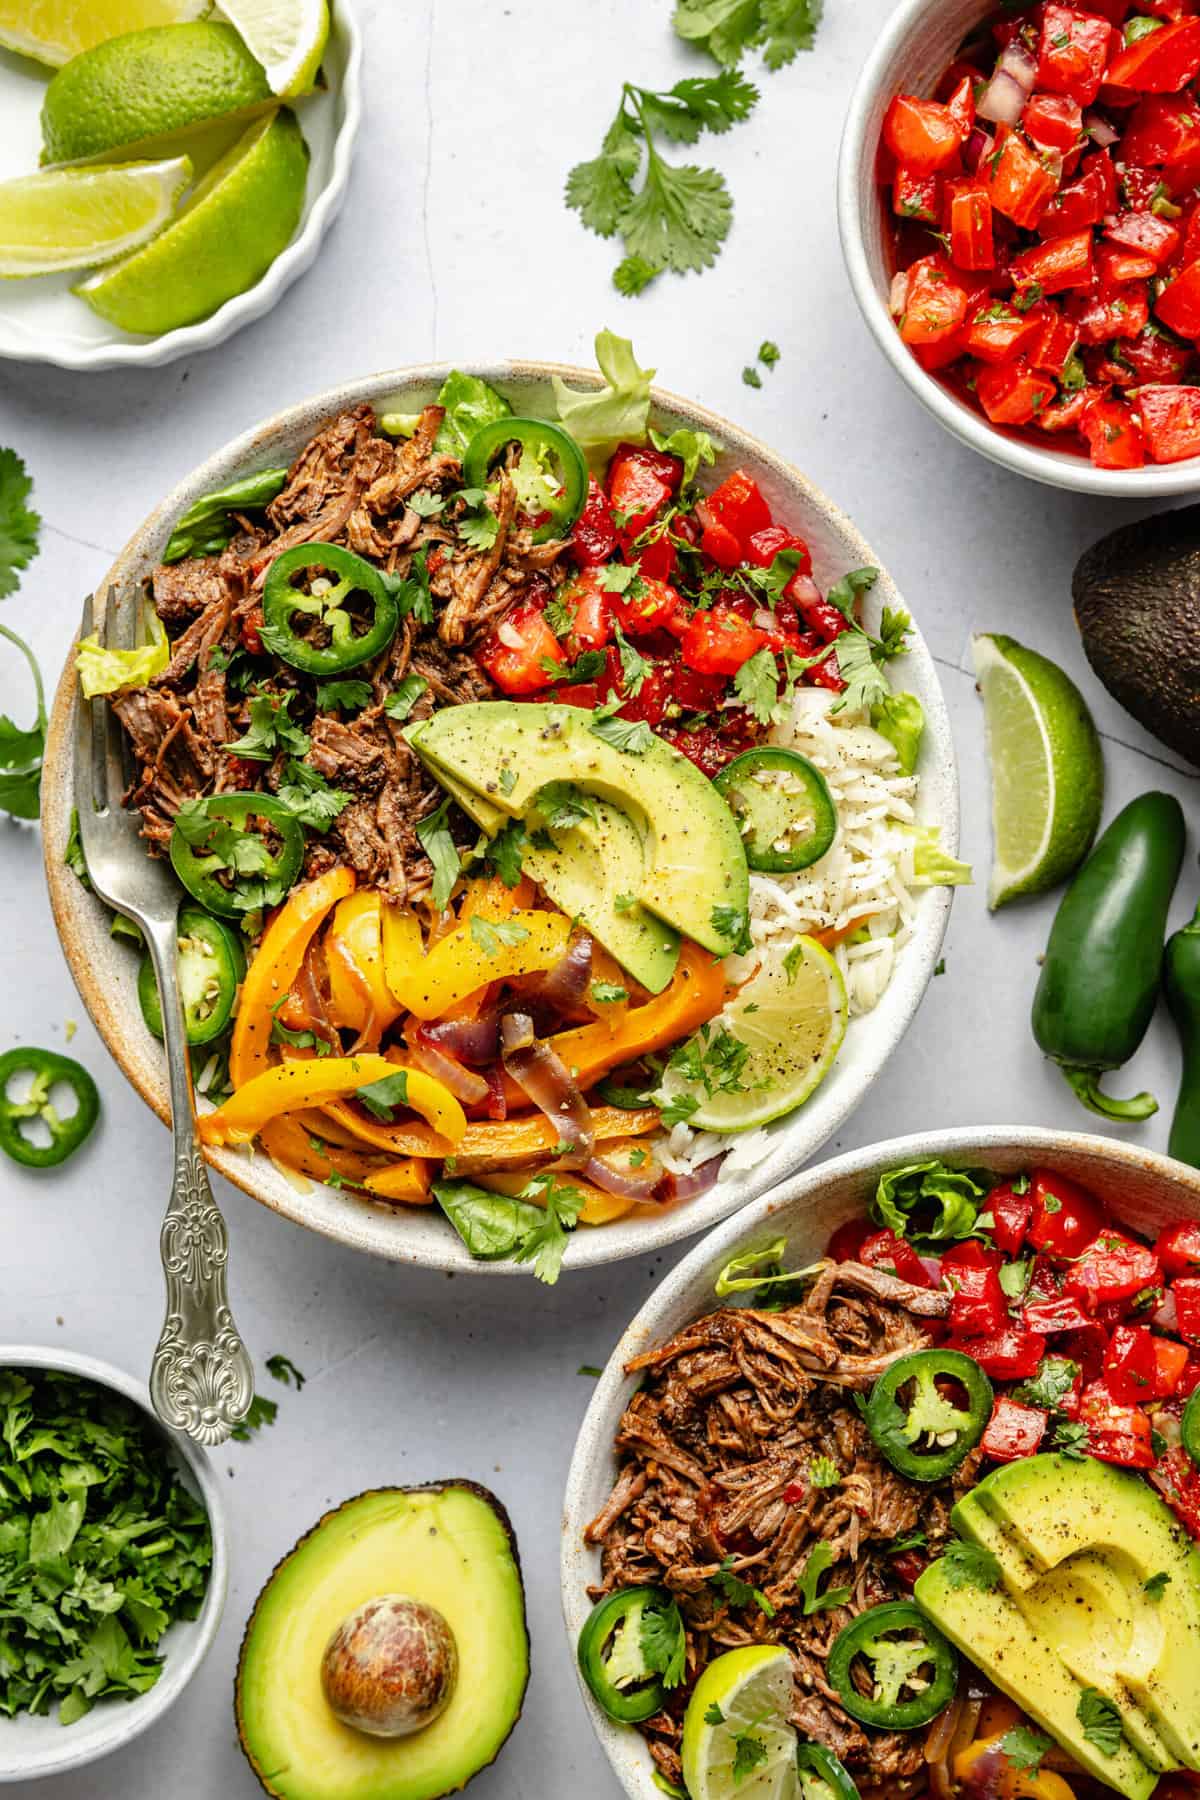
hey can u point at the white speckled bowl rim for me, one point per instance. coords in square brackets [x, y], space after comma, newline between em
[343, 63]
[104, 971]
[31, 1748]
[1144, 1189]
[919, 38]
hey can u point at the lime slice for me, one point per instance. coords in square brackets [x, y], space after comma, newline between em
[130, 93]
[287, 36]
[736, 1735]
[73, 218]
[774, 1043]
[234, 225]
[53, 31]
[1047, 768]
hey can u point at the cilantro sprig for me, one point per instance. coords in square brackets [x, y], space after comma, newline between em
[679, 216]
[727, 29]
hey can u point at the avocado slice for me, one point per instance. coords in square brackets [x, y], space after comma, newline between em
[1093, 1535]
[990, 1629]
[1137, 605]
[448, 1545]
[694, 860]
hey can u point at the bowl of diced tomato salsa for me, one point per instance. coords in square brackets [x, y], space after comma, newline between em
[1019, 199]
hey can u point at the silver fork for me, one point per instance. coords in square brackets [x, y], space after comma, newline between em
[201, 1379]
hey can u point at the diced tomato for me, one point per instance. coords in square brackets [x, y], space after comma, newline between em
[1170, 422]
[1116, 266]
[250, 631]
[1012, 1354]
[1082, 202]
[1054, 344]
[641, 481]
[1053, 121]
[884, 1250]
[1065, 1215]
[1073, 52]
[1170, 1367]
[1186, 1291]
[1178, 1481]
[922, 135]
[1178, 1247]
[1130, 1364]
[1161, 62]
[1112, 1267]
[717, 541]
[1013, 1431]
[1156, 358]
[978, 1307]
[515, 650]
[936, 305]
[698, 693]
[656, 560]
[1065, 413]
[942, 354]
[1012, 393]
[960, 103]
[909, 1566]
[588, 603]
[818, 614]
[594, 536]
[1100, 315]
[969, 218]
[1189, 1379]
[646, 605]
[739, 506]
[1162, 132]
[1145, 231]
[916, 196]
[762, 547]
[1114, 435]
[1117, 1433]
[1059, 1314]
[653, 696]
[969, 1253]
[719, 641]
[1061, 262]
[847, 1241]
[1010, 1213]
[995, 332]
[1016, 180]
[1179, 303]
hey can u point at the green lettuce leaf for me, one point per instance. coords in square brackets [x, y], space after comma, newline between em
[901, 720]
[470, 405]
[206, 526]
[932, 867]
[107, 671]
[695, 447]
[928, 1203]
[618, 413]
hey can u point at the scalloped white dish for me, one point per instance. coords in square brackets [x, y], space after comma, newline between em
[42, 321]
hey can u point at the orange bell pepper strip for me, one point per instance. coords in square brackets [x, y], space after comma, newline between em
[491, 899]
[407, 1180]
[354, 960]
[1037, 1784]
[462, 962]
[499, 1141]
[290, 1144]
[275, 967]
[695, 994]
[598, 1207]
[835, 934]
[301, 1083]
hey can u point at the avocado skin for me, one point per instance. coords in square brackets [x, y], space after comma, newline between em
[449, 1483]
[1137, 605]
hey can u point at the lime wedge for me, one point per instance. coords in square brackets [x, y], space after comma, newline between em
[73, 218]
[235, 223]
[773, 1044]
[53, 31]
[1047, 768]
[128, 94]
[287, 36]
[736, 1736]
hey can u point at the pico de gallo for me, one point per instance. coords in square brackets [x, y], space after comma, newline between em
[1046, 226]
[1087, 1332]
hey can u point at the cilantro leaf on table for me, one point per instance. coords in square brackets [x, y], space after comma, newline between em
[261, 1412]
[679, 216]
[19, 524]
[545, 1244]
[283, 1369]
[21, 749]
[727, 29]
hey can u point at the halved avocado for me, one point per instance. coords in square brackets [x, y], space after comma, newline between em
[450, 1546]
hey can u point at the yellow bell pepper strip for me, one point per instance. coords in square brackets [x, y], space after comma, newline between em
[409, 1180]
[275, 967]
[1037, 1784]
[492, 900]
[598, 1208]
[318, 1080]
[289, 1143]
[354, 961]
[461, 962]
[498, 1142]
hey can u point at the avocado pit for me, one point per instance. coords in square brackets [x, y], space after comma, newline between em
[390, 1668]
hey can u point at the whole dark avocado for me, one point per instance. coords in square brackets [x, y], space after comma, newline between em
[1137, 604]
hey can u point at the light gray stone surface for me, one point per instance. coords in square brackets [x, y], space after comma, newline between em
[454, 243]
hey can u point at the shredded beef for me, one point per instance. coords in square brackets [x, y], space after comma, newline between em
[715, 1453]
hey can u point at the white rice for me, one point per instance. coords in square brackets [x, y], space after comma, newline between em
[867, 869]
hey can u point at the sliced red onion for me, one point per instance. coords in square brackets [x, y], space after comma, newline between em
[690, 1187]
[979, 145]
[463, 1083]
[564, 985]
[1166, 1318]
[1003, 99]
[613, 1170]
[1102, 131]
[475, 1042]
[898, 296]
[541, 1074]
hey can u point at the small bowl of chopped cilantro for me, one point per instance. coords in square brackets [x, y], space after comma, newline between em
[112, 1561]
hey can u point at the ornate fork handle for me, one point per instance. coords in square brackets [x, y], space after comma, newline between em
[201, 1379]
